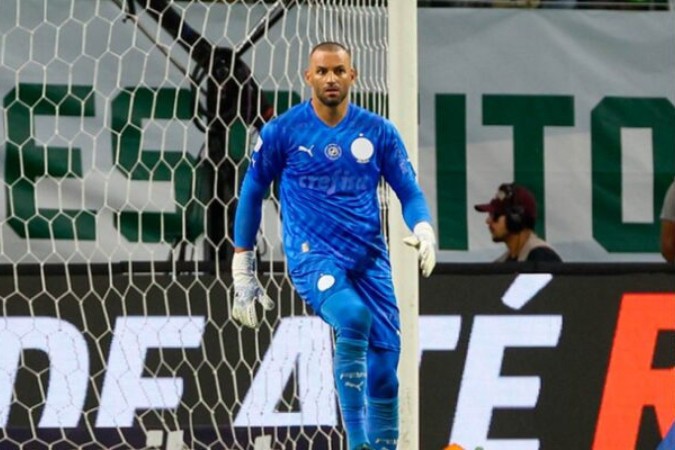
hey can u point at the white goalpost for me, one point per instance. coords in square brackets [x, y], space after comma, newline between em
[125, 130]
[403, 111]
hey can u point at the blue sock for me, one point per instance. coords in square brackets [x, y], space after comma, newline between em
[349, 367]
[383, 423]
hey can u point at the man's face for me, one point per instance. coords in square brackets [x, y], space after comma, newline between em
[330, 75]
[497, 225]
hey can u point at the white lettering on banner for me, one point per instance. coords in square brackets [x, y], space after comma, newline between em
[68, 366]
[439, 333]
[301, 345]
[524, 288]
[483, 388]
[637, 159]
[124, 388]
[96, 188]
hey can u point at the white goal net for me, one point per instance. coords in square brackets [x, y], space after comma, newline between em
[124, 133]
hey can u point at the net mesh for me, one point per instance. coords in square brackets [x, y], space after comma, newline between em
[126, 129]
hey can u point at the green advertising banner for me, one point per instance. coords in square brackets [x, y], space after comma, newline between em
[102, 145]
[576, 105]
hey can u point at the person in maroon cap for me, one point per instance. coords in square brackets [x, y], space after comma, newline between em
[512, 214]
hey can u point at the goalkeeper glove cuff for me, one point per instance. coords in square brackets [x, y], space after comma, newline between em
[424, 240]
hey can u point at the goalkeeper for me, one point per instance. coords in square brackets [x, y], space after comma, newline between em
[328, 156]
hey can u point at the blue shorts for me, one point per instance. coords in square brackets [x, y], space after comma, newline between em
[316, 277]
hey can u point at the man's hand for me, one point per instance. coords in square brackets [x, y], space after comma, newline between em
[247, 290]
[424, 240]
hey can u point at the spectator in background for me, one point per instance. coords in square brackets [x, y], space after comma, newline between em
[512, 214]
[668, 225]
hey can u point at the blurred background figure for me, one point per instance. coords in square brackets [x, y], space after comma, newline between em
[512, 214]
[668, 225]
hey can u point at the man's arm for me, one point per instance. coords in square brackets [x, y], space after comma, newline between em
[247, 289]
[668, 224]
[668, 240]
[400, 175]
[249, 213]
[416, 215]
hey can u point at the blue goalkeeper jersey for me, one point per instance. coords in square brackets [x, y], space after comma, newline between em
[328, 183]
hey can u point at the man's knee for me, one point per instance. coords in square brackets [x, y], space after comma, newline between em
[382, 374]
[358, 320]
[383, 383]
[348, 315]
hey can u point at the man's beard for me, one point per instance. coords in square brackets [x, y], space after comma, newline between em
[499, 237]
[331, 101]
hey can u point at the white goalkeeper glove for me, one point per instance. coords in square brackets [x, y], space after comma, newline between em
[247, 290]
[424, 240]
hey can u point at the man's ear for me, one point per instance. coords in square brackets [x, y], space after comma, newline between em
[307, 76]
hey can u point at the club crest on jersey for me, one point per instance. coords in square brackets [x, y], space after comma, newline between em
[362, 149]
[332, 151]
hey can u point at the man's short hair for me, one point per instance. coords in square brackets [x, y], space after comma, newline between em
[330, 46]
